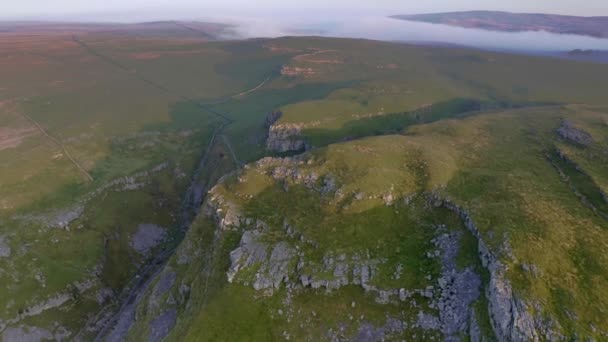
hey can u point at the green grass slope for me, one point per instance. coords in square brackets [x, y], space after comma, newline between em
[102, 135]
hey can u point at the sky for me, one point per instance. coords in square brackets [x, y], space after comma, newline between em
[141, 10]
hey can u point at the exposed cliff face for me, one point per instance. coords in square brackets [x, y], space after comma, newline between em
[510, 315]
[286, 138]
[458, 289]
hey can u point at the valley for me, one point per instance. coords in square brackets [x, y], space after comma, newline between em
[161, 183]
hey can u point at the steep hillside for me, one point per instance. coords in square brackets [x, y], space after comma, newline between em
[432, 234]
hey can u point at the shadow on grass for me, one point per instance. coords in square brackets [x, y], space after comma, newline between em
[395, 123]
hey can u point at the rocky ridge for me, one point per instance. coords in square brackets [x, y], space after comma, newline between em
[269, 266]
[510, 316]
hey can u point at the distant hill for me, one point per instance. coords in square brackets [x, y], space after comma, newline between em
[156, 29]
[588, 55]
[515, 22]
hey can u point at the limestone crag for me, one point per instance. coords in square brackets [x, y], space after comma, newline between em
[267, 267]
[225, 213]
[458, 289]
[286, 138]
[272, 268]
[509, 315]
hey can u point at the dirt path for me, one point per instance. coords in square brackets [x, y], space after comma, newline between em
[60, 145]
[300, 57]
[253, 89]
[224, 100]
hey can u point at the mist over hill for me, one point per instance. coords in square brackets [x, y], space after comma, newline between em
[517, 22]
[354, 178]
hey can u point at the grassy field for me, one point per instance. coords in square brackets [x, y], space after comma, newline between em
[395, 85]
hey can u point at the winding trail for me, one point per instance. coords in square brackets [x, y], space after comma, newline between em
[253, 89]
[121, 320]
[301, 57]
[226, 99]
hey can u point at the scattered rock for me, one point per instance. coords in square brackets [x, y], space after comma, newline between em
[5, 249]
[184, 293]
[40, 278]
[369, 333]
[427, 322]
[51, 303]
[297, 71]
[162, 325]
[26, 334]
[147, 237]
[458, 289]
[530, 268]
[329, 184]
[388, 199]
[164, 283]
[104, 295]
[398, 271]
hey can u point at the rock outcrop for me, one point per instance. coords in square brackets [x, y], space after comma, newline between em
[165, 282]
[27, 334]
[458, 289]
[162, 325]
[147, 237]
[286, 138]
[369, 333]
[5, 249]
[509, 315]
[573, 134]
[272, 269]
